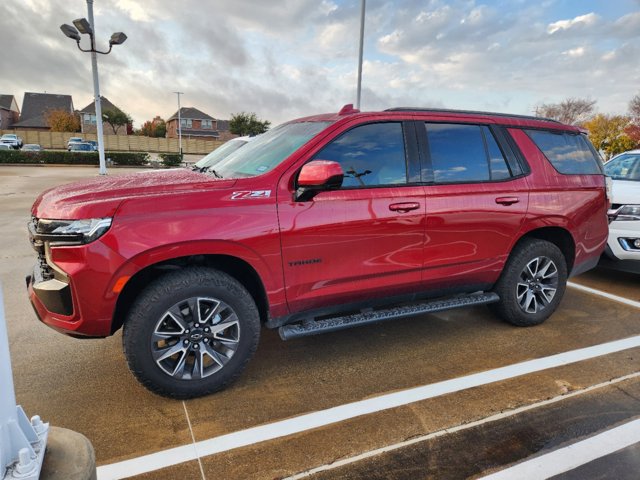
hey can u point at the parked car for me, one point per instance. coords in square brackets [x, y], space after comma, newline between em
[220, 153]
[623, 247]
[11, 139]
[5, 146]
[81, 147]
[93, 144]
[31, 147]
[73, 140]
[322, 223]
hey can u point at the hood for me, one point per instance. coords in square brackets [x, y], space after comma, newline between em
[100, 197]
[626, 192]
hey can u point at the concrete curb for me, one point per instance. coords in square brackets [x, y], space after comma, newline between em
[69, 456]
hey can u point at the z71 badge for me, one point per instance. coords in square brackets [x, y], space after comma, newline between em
[250, 194]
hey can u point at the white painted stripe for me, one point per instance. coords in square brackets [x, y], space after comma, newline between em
[600, 293]
[572, 456]
[458, 428]
[282, 428]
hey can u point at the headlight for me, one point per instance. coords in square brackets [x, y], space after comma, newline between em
[628, 212]
[71, 232]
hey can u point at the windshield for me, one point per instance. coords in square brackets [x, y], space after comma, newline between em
[268, 150]
[624, 167]
[220, 153]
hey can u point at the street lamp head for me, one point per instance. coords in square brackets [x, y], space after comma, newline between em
[83, 26]
[70, 32]
[117, 38]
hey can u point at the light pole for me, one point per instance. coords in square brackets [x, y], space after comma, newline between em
[179, 125]
[360, 53]
[88, 28]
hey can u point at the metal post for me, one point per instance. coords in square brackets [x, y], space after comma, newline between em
[179, 124]
[360, 54]
[96, 90]
[22, 443]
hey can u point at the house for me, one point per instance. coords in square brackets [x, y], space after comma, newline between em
[9, 112]
[199, 125]
[88, 118]
[35, 107]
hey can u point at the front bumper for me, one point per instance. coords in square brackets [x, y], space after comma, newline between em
[615, 255]
[71, 288]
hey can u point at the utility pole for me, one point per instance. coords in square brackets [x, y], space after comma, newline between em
[179, 124]
[96, 91]
[360, 54]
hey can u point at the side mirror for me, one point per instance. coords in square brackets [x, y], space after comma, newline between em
[317, 176]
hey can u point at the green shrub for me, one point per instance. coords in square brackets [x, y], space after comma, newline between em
[137, 159]
[72, 158]
[171, 159]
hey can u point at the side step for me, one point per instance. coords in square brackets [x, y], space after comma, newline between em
[314, 327]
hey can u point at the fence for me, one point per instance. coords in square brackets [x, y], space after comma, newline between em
[126, 143]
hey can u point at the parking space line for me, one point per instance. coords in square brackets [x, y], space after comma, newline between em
[309, 421]
[458, 428]
[572, 456]
[600, 293]
[193, 439]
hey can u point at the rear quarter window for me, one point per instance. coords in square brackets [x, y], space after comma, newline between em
[569, 153]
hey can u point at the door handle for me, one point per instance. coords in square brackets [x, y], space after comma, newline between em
[404, 207]
[507, 200]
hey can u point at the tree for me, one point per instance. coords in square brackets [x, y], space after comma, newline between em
[607, 133]
[115, 119]
[62, 121]
[154, 128]
[634, 109]
[572, 111]
[247, 124]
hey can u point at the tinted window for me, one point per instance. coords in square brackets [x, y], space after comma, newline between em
[568, 153]
[370, 155]
[497, 163]
[457, 153]
[624, 167]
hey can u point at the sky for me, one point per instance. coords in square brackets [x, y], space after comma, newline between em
[284, 59]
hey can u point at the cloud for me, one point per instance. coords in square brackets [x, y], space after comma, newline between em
[581, 21]
[299, 57]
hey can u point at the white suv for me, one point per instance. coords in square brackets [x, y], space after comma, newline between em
[623, 247]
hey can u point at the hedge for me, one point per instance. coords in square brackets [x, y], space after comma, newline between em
[72, 158]
[171, 159]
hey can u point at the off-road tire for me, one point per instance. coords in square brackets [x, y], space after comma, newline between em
[513, 280]
[143, 321]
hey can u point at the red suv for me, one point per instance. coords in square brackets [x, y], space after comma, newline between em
[322, 223]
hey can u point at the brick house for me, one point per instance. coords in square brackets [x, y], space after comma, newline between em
[9, 112]
[35, 107]
[197, 124]
[88, 118]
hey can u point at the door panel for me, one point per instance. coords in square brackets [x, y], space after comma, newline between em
[468, 234]
[349, 245]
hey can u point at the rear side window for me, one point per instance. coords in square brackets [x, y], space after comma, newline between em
[570, 154]
[370, 155]
[465, 154]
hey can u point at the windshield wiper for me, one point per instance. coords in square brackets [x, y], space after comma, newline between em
[211, 170]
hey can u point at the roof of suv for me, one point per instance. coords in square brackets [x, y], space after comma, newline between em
[441, 113]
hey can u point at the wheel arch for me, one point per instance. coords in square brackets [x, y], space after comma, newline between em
[559, 236]
[233, 266]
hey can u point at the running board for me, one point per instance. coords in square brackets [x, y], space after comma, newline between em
[314, 327]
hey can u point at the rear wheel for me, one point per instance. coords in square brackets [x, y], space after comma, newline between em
[532, 283]
[191, 333]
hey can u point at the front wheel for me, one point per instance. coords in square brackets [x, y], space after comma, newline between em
[191, 333]
[532, 283]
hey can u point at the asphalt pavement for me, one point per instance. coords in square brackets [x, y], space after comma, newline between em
[424, 397]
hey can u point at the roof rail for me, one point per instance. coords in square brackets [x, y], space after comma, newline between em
[472, 112]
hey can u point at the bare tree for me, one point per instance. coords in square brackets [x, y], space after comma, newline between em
[572, 111]
[634, 109]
